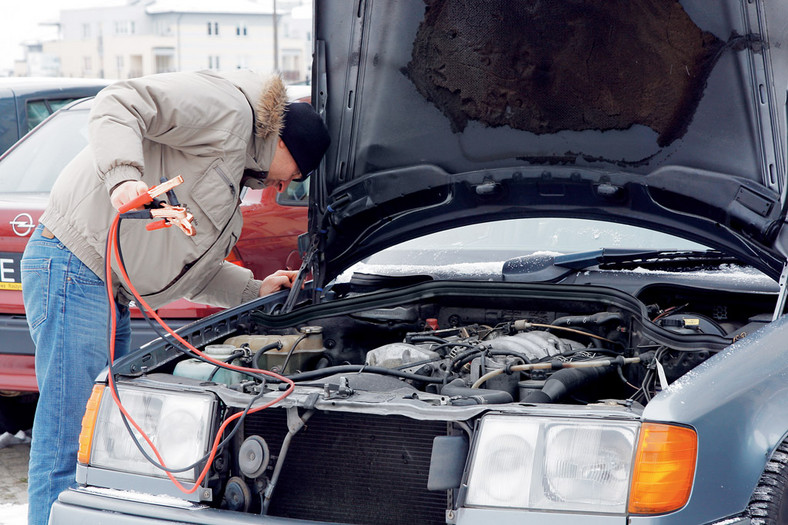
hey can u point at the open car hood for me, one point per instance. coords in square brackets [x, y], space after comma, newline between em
[665, 114]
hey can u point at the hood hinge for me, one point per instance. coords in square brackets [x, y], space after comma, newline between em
[306, 266]
[765, 105]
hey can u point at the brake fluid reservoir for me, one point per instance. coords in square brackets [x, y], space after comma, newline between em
[303, 348]
[197, 369]
[256, 342]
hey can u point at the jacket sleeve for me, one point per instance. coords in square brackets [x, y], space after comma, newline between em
[197, 113]
[230, 286]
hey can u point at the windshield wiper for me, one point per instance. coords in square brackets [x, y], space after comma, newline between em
[545, 267]
[369, 282]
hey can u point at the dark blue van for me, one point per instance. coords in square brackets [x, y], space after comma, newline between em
[26, 101]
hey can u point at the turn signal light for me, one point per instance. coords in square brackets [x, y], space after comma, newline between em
[88, 424]
[664, 468]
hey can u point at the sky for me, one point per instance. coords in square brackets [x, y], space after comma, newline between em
[22, 18]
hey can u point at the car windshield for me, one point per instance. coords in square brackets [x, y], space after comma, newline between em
[479, 250]
[34, 164]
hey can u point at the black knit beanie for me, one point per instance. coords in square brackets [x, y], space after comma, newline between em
[305, 136]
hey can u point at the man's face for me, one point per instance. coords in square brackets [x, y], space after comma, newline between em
[283, 168]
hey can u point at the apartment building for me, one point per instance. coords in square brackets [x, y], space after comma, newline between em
[156, 36]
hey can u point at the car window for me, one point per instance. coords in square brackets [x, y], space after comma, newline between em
[38, 110]
[296, 194]
[34, 164]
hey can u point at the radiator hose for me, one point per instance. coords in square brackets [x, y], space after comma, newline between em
[564, 381]
[474, 396]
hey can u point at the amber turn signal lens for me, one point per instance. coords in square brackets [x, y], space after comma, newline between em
[664, 468]
[88, 424]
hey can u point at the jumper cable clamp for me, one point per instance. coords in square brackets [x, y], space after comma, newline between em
[152, 193]
[170, 215]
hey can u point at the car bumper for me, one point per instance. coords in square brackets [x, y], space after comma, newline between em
[79, 506]
[87, 505]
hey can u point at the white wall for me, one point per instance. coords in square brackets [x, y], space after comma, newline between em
[124, 41]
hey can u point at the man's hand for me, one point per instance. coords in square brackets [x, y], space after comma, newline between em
[127, 192]
[277, 281]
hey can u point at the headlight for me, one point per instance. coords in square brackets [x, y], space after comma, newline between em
[552, 464]
[178, 424]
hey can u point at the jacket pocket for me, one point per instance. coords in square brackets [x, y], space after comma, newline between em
[216, 195]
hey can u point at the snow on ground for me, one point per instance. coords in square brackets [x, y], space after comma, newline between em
[13, 514]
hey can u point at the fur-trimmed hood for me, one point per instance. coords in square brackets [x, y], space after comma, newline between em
[270, 109]
[268, 97]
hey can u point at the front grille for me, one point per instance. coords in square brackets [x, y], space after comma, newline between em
[354, 468]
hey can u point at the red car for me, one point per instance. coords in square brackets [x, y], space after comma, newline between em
[272, 223]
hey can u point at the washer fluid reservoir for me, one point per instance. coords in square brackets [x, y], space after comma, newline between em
[197, 369]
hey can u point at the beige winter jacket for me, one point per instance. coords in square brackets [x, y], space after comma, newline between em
[204, 126]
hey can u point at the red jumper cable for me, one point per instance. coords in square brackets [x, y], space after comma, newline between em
[181, 221]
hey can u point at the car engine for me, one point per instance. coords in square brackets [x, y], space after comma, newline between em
[498, 352]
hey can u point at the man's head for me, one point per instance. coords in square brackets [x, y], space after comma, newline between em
[303, 140]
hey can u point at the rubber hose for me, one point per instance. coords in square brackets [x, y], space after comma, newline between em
[259, 353]
[474, 396]
[567, 380]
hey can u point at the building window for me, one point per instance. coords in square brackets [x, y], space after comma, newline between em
[124, 27]
[87, 64]
[163, 28]
[291, 66]
[213, 62]
[240, 29]
[119, 62]
[85, 30]
[213, 28]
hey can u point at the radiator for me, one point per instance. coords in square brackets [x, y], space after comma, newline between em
[354, 468]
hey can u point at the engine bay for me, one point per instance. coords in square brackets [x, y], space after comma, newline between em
[576, 347]
[376, 378]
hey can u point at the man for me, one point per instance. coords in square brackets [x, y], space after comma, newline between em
[217, 131]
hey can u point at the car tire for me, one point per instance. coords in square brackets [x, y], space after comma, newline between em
[769, 502]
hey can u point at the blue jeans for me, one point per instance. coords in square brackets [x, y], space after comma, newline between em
[67, 309]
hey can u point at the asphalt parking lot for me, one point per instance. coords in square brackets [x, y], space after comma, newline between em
[13, 474]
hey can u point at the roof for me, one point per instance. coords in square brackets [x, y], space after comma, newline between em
[50, 81]
[28, 84]
[246, 7]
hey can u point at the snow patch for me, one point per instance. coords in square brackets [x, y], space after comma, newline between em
[157, 499]
[13, 514]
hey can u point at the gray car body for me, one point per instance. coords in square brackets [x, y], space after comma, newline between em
[738, 431]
